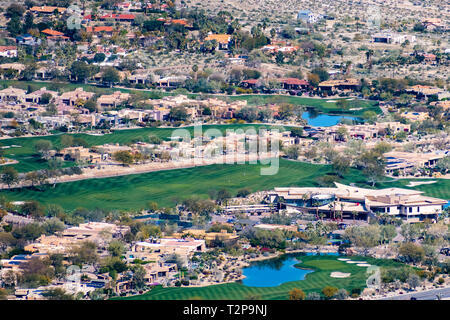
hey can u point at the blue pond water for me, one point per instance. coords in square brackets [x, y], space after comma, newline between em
[447, 205]
[324, 120]
[273, 272]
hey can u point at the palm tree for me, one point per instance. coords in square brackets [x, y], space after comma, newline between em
[331, 206]
[369, 54]
[321, 215]
[316, 204]
[305, 198]
[354, 214]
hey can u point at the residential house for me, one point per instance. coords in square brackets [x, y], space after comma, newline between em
[339, 85]
[433, 24]
[46, 9]
[27, 40]
[223, 40]
[54, 35]
[35, 96]
[8, 51]
[392, 38]
[294, 84]
[11, 94]
[81, 154]
[307, 16]
[101, 30]
[72, 98]
[171, 82]
[14, 68]
[405, 162]
[427, 91]
[108, 101]
[359, 203]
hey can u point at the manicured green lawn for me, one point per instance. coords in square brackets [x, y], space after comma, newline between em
[313, 282]
[171, 186]
[439, 189]
[321, 105]
[29, 161]
[167, 187]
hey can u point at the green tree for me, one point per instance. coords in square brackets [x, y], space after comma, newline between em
[14, 26]
[411, 252]
[116, 248]
[124, 157]
[15, 10]
[340, 165]
[110, 76]
[9, 176]
[80, 71]
[86, 252]
[297, 294]
[178, 114]
[329, 291]
[43, 148]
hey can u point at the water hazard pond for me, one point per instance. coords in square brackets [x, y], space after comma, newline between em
[273, 272]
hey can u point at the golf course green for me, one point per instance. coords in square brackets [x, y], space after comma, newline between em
[133, 192]
[22, 149]
[322, 265]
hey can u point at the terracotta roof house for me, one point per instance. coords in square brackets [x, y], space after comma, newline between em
[70, 98]
[100, 30]
[249, 83]
[12, 94]
[223, 40]
[54, 35]
[35, 97]
[294, 84]
[51, 32]
[112, 100]
[426, 91]
[332, 85]
[118, 17]
[47, 9]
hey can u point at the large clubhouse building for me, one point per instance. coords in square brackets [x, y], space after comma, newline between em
[353, 202]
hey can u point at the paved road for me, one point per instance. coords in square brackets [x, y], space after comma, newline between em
[424, 295]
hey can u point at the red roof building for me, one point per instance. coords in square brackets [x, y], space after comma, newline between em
[54, 33]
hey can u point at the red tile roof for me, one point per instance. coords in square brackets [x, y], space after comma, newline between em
[118, 16]
[51, 32]
[99, 29]
[179, 21]
[125, 16]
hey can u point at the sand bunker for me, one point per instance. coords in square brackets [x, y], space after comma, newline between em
[337, 274]
[418, 183]
[343, 259]
[356, 262]
[363, 265]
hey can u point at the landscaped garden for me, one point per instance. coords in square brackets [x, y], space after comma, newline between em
[323, 266]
